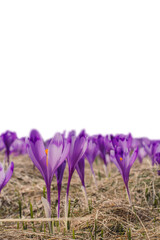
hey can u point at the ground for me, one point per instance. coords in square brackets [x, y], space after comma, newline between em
[108, 216]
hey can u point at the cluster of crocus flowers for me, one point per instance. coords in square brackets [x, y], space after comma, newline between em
[11, 144]
[50, 157]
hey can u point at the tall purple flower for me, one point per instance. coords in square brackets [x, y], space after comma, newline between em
[77, 150]
[80, 170]
[8, 138]
[91, 153]
[122, 159]
[102, 148]
[105, 145]
[150, 146]
[47, 161]
[18, 147]
[59, 175]
[137, 142]
[5, 176]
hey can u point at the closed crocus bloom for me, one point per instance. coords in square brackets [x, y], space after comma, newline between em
[149, 146]
[91, 153]
[102, 147]
[141, 154]
[47, 160]
[5, 176]
[77, 150]
[122, 159]
[80, 169]
[101, 140]
[8, 138]
[18, 147]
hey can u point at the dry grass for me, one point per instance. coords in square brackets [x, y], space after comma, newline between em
[109, 216]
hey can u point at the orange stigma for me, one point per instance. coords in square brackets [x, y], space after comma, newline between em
[47, 157]
[121, 158]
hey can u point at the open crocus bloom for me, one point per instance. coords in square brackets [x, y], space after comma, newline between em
[122, 159]
[47, 160]
[5, 176]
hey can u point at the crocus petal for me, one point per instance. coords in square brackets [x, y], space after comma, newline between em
[79, 150]
[9, 173]
[80, 169]
[38, 149]
[133, 157]
[57, 153]
[37, 162]
[2, 175]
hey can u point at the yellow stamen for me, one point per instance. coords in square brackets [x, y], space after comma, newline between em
[47, 157]
[121, 158]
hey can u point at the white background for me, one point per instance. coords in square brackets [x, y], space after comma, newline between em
[80, 64]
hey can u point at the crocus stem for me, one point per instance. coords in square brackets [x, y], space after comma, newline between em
[66, 207]
[93, 175]
[49, 201]
[59, 199]
[85, 195]
[49, 194]
[128, 193]
[94, 179]
[47, 209]
[66, 200]
[105, 169]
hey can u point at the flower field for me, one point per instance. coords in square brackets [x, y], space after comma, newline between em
[101, 209]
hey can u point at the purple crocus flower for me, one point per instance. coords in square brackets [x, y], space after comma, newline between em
[102, 147]
[149, 146]
[77, 150]
[18, 147]
[157, 155]
[137, 142]
[105, 146]
[91, 153]
[59, 175]
[80, 169]
[141, 154]
[8, 138]
[5, 176]
[47, 161]
[122, 159]
[102, 151]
